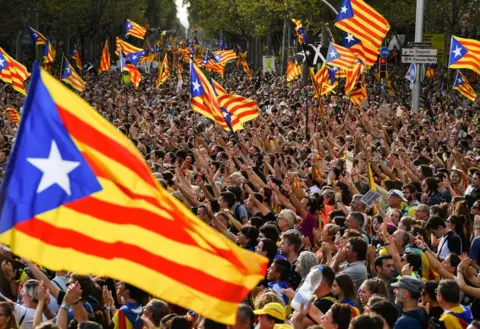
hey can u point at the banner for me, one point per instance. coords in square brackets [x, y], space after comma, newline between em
[268, 64]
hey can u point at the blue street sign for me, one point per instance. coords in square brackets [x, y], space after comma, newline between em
[384, 52]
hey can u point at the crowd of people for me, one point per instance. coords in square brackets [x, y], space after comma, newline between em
[293, 190]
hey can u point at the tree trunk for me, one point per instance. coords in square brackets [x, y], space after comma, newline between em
[18, 46]
[283, 57]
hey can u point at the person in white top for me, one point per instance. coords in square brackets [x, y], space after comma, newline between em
[24, 314]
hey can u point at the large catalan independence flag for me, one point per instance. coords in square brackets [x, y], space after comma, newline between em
[78, 196]
[464, 54]
[363, 22]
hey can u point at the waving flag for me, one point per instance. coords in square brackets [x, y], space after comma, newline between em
[37, 37]
[294, 70]
[353, 77]
[134, 58]
[245, 67]
[13, 72]
[105, 59]
[78, 196]
[341, 57]
[365, 51]
[411, 74]
[76, 57]
[213, 66]
[363, 22]
[134, 29]
[461, 84]
[13, 115]
[224, 56]
[126, 65]
[325, 78]
[388, 83]
[359, 93]
[204, 100]
[464, 54]
[72, 78]
[163, 72]
[237, 109]
[371, 185]
[300, 30]
[126, 47]
[49, 53]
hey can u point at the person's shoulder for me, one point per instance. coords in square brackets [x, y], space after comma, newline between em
[407, 321]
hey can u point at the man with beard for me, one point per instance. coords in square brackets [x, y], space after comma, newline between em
[290, 245]
[407, 292]
[384, 268]
[410, 193]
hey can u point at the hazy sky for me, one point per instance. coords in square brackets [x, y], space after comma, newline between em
[182, 13]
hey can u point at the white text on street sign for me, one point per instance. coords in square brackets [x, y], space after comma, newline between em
[417, 59]
[419, 52]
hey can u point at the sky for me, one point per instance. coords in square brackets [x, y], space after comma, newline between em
[182, 13]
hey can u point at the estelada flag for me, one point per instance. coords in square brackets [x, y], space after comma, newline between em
[13, 115]
[78, 196]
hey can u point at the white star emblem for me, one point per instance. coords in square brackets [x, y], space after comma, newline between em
[1, 62]
[333, 54]
[335, 69]
[459, 81]
[349, 38]
[196, 86]
[134, 57]
[55, 170]
[67, 70]
[458, 51]
[344, 9]
[129, 26]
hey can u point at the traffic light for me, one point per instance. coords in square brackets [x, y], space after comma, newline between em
[382, 67]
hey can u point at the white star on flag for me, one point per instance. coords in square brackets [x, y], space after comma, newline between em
[333, 54]
[344, 9]
[55, 170]
[349, 38]
[196, 86]
[1, 62]
[459, 81]
[134, 57]
[458, 51]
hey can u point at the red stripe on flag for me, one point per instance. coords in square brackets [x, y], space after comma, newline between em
[93, 138]
[193, 278]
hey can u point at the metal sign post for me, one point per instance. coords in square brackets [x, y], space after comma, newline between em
[418, 38]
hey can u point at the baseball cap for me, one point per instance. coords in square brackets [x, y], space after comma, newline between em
[409, 283]
[397, 193]
[276, 310]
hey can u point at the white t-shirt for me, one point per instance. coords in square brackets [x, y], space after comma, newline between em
[24, 316]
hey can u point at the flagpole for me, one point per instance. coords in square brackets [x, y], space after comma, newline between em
[306, 109]
[61, 66]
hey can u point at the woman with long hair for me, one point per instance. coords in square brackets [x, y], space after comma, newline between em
[7, 318]
[344, 290]
[372, 287]
[337, 317]
[430, 194]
